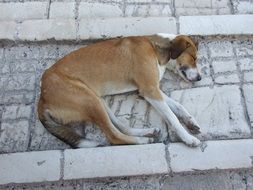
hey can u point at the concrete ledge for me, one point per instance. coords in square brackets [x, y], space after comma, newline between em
[115, 161]
[215, 25]
[224, 154]
[101, 28]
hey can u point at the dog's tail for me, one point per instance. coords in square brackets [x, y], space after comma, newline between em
[63, 132]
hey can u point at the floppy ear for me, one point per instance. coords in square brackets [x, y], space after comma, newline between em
[178, 45]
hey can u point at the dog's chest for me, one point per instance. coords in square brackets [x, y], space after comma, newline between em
[161, 71]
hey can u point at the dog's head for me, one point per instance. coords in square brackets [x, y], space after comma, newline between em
[184, 50]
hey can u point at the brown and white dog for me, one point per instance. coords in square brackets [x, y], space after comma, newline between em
[72, 88]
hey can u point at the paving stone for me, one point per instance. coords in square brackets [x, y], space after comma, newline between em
[248, 93]
[218, 111]
[244, 48]
[222, 66]
[212, 181]
[21, 82]
[14, 137]
[226, 79]
[220, 49]
[232, 154]
[18, 98]
[127, 26]
[120, 161]
[144, 10]
[39, 30]
[145, 183]
[243, 7]
[195, 11]
[248, 77]
[99, 10]
[216, 25]
[7, 30]
[106, 184]
[194, 3]
[17, 112]
[202, 50]
[62, 10]
[139, 113]
[41, 139]
[246, 64]
[18, 66]
[43, 166]
[22, 11]
[4, 67]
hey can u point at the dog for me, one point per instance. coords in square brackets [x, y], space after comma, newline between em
[72, 88]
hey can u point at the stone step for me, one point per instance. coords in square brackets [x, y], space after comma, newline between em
[100, 28]
[116, 161]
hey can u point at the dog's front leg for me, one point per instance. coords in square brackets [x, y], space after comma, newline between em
[182, 114]
[164, 110]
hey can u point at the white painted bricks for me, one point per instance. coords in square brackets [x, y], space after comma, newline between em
[22, 11]
[62, 10]
[214, 25]
[30, 167]
[115, 161]
[113, 27]
[7, 30]
[227, 154]
[37, 30]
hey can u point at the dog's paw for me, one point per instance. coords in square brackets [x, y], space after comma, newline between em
[192, 141]
[145, 140]
[193, 128]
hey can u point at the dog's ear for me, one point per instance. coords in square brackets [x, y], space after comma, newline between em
[159, 42]
[178, 45]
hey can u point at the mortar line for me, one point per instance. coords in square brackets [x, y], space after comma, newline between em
[48, 8]
[62, 161]
[168, 158]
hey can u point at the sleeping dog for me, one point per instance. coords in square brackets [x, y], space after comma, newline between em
[72, 88]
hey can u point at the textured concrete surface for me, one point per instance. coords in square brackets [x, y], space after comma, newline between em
[228, 101]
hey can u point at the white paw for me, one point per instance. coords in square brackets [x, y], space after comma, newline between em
[145, 140]
[192, 141]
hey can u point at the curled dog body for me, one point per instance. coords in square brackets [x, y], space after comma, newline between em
[72, 88]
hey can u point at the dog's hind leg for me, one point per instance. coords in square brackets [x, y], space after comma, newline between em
[66, 133]
[149, 132]
[182, 114]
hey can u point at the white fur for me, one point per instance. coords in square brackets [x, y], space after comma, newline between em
[167, 35]
[87, 144]
[170, 118]
[161, 69]
[192, 73]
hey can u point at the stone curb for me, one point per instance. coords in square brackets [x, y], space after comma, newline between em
[118, 161]
[216, 25]
[100, 28]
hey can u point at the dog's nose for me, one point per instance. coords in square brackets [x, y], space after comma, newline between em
[198, 78]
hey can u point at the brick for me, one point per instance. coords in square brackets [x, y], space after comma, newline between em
[226, 79]
[21, 82]
[36, 167]
[19, 65]
[62, 10]
[248, 93]
[193, 3]
[226, 154]
[218, 111]
[98, 10]
[39, 30]
[118, 161]
[220, 49]
[23, 11]
[248, 77]
[17, 112]
[144, 10]
[7, 30]
[222, 66]
[244, 7]
[194, 11]
[210, 181]
[14, 137]
[216, 24]
[18, 98]
[113, 27]
[244, 48]
[202, 50]
[246, 64]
